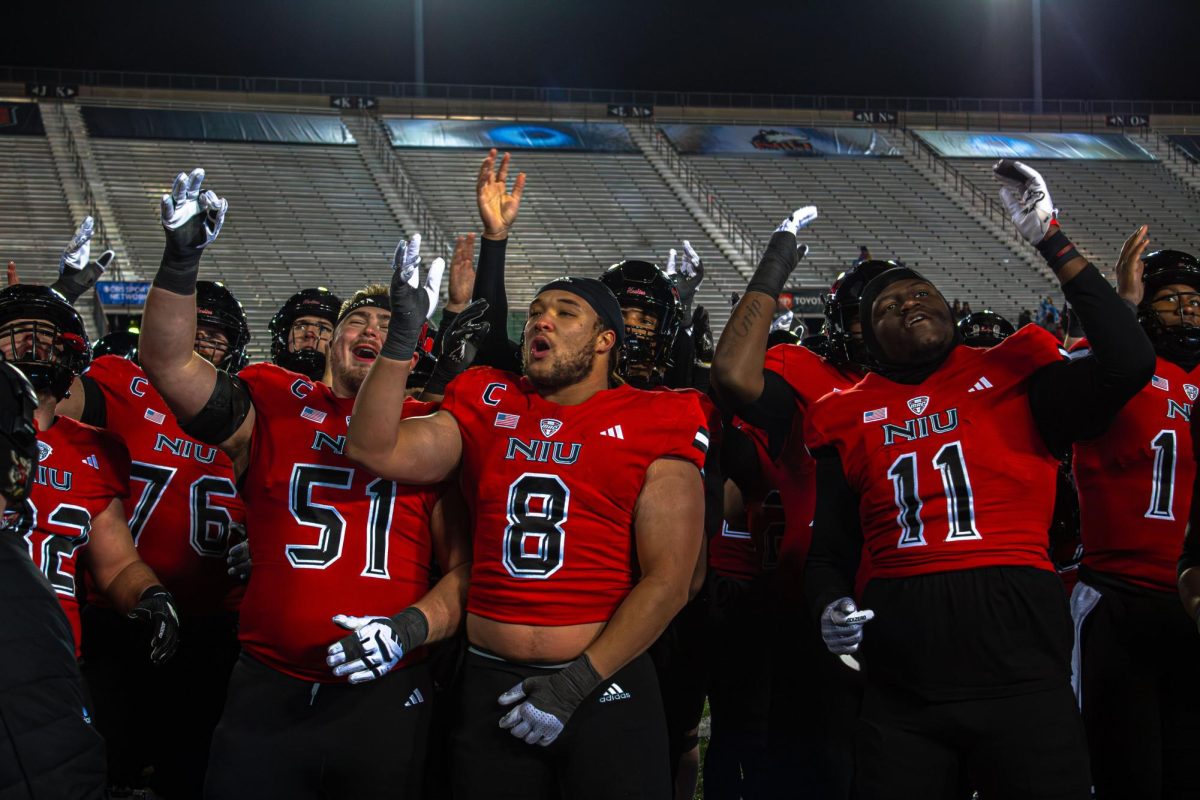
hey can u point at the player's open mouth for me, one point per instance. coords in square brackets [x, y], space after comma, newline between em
[364, 352]
[915, 318]
[539, 347]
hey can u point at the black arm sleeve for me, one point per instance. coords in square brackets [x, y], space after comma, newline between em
[714, 486]
[495, 350]
[773, 412]
[95, 411]
[1076, 400]
[837, 537]
[223, 414]
[1191, 538]
[739, 461]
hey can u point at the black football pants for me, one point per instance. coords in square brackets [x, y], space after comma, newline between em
[1138, 656]
[614, 747]
[284, 737]
[157, 716]
[1029, 746]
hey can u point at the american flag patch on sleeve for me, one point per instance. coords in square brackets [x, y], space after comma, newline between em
[507, 420]
[701, 440]
[878, 415]
[157, 417]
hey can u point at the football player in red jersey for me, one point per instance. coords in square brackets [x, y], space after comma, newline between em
[181, 519]
[82, 476]
[941, 465]
[302, 329]
[771, 390]
[333, 546]
[587, 505]
[48, 746]
[1135, 649]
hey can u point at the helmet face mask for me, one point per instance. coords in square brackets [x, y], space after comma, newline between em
[217, 308]
[1178, 338]
[289, 336]
[984, 329]
[43, 336]
[653, 318]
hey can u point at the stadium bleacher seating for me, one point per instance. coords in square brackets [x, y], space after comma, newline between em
[34, 217]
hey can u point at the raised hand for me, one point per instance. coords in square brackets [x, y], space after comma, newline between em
[1130, 266]
[498, 208]
[13, 277]
[192, 220]
[800, 218]
[462, 273]
[1026, 198]
[412, 303]
[76, 272]
[457, 346]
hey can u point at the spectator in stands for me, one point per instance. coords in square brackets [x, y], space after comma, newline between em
[1024, 318]
[864, 254]
[965, 310]
[1048, 315]
[956, 310]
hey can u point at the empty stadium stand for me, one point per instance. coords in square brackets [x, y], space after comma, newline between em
[1102, 202]
[581, 213]
[885, 204]
[298, 216]
[35, 223]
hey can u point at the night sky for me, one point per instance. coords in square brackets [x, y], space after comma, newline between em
[963, 48]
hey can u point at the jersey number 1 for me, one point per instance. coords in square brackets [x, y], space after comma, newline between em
[960, 502]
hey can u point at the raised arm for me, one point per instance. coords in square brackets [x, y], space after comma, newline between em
[498, 210]
[1122, 358]
[418, 450]
[208, 404]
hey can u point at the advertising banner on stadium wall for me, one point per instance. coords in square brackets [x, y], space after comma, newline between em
[780, 140]
[123, 293]
[591, 137]
[1190, 145]
[21, 119]
[1008, 144]
[215, 126]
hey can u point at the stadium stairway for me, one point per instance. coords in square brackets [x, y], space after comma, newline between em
[35, 217]
[1173, 160]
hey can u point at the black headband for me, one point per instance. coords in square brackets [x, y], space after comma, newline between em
[596, 295]
[373, 300]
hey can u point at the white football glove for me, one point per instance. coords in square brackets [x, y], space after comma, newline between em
[801, 218]
[76, 272]
[407, 259]
[378, 648]
[1026, 198]
[76, 256]
[783, 322]
[842, 626]
[185, 202]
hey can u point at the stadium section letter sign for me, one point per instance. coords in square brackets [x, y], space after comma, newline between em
[215, 126]
[593, 137]
[778, 140]
[1007, 144]
[21, 119]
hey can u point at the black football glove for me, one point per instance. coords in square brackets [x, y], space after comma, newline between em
[412, 304]
[458, 345]
[549, 701]
[76, 273]
[191, 221]
[157, 608]
[237, 559]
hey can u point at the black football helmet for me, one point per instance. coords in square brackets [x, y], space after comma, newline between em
[123, 344]
[781, 336]
[315, 302]
[50, 344]
[984, 328]
[640, 284]
[1164, 267]
[841, 311]
[216, 306]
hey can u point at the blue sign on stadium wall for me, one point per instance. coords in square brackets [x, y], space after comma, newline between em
[123, 293]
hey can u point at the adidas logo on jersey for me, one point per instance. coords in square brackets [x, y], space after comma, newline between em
[980, 385]
[614, 693]
[92, 461]
[615, 432]
[414, 699]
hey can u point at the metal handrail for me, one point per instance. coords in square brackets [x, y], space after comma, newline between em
[431, 232]
[741, 235]
[548, 95]
[88, 196]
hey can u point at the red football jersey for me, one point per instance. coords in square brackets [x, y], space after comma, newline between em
[80, 471]
[751, 546]
[811, 378]
[952, 473]
[183, 492]
[326, 536]
[552, 490]
[1135, 482]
